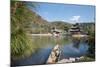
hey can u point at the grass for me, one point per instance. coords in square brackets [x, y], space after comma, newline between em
[21, 45]
[86, 59]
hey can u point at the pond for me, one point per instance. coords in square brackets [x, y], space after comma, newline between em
[70, 47]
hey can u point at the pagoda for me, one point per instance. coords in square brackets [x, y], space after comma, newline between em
[75, 29]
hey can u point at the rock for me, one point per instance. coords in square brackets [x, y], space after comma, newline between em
[53, 58]
[67, 60]
[81, 57]
[72, 59]
[77, 58]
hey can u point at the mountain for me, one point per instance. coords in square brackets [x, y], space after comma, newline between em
[61, 25]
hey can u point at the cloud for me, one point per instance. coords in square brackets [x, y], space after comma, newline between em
[75, 18]
[63, 20]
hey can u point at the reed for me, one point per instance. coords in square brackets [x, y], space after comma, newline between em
[21, 44]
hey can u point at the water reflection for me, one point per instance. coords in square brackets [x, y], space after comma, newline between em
[76, 42]
[70, 47]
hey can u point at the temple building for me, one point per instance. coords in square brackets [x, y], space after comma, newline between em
[75, 29]
[56, 32]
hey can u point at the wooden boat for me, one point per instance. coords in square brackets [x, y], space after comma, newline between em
[54, 55]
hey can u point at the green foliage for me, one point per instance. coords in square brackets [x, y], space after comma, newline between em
[91, 50]
[86, 59]
[61, 25]
[21, 16]
[20, 43]
[90, 29]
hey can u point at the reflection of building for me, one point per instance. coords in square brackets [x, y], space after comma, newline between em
[76, 42]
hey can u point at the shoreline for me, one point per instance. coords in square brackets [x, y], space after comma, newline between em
[41, 34]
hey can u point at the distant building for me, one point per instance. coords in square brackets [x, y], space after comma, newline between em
[75, 29]
[56, 32]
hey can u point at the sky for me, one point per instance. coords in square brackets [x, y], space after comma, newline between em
[66, 12]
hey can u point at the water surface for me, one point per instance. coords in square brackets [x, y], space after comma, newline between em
[70, 47]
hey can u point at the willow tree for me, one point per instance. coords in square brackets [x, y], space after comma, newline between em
[21, 16]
